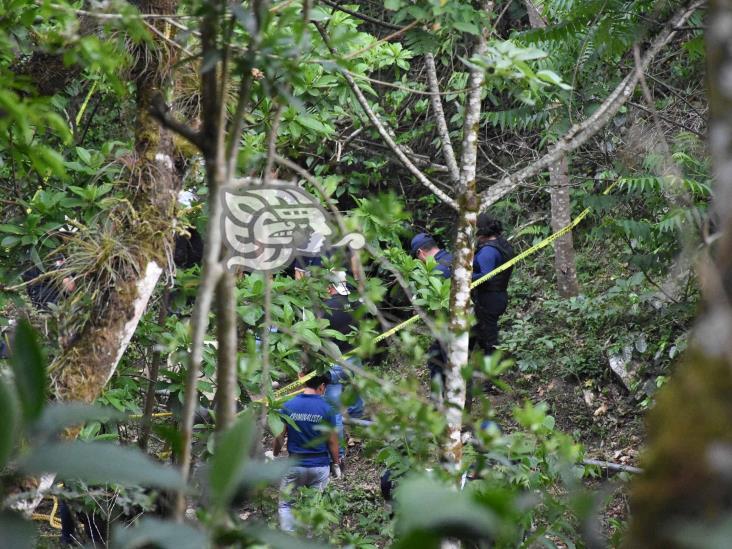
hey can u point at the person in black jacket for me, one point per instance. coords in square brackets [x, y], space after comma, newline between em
[490, 299]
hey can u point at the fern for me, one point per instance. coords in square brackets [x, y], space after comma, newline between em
[521, 118]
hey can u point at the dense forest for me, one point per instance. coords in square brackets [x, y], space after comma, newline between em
[468, 263]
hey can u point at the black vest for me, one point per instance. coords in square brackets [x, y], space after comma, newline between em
[498, 283]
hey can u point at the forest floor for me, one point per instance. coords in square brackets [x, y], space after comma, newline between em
[605, 419]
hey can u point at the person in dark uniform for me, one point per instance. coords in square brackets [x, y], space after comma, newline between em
[339, 313]
[422, 247]
[490, 299]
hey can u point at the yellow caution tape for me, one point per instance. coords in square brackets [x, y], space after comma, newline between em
[284, 391]
[159, 414]
[51, 518]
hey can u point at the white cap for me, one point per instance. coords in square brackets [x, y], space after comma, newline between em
[338, 281]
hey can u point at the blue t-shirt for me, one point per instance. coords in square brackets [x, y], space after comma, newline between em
[313, 417]
[485, 260]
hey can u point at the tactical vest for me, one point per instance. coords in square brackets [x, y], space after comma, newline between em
[498, 283]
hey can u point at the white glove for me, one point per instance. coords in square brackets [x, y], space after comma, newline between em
[269, 455]
[336, 470]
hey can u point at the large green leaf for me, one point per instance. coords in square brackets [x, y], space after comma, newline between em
[56, 416]
[8, 414]
[427, 507]
[29, 369]
[163, 534]
[100, 463]
[280, 540]
[15, 531]
[230, 458]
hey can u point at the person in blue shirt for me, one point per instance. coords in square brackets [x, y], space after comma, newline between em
[312, 442]
[490, 299]
[422, 247]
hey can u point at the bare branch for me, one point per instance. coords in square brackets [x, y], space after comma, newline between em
[161, 112]
[385, 134]
[361, 16]
[580, 133]
[442, 129]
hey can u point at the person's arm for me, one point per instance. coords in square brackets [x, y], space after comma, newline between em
[279, 442]
[334, 447]
[487, 259]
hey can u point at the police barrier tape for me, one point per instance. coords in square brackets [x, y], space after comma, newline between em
[285, 391]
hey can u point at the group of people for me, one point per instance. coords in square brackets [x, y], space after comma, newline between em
[314, 432]
[490, 299]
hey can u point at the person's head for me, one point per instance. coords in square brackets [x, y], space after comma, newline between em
[317, 383]
[423, 246]
[338, 283]
[488, 227]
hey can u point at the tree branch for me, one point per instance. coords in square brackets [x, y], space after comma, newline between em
[580, 133]
[161, 112]
[385, 133]
[361, 16]
[442, 129]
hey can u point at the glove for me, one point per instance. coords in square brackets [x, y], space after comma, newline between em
[269, 455]
[335, 470]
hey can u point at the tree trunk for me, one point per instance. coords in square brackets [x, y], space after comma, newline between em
[687, 482]
[83, 369]
[226, 367]
[564, 263]
[462, 271]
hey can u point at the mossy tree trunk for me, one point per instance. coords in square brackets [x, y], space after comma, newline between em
[83, 369]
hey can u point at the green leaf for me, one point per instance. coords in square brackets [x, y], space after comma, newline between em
[84, 155]
[29, 370]
[425, 506]
[9, 241]
[280, 540]
[9, 414]
[101, 463]
[15, 531]
[314, 124]
[466, 26]
[229, 459]
[276, 425]
[12, 229]
[553, 78]
[56, 416]
[150, 532]
[392, 4]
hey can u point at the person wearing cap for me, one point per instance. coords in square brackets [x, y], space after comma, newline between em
[311, 442]
[423, 246]
[490, 299]
[339, 313]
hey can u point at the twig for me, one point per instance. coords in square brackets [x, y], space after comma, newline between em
[613, 466]
[361, 16]
[161, 112]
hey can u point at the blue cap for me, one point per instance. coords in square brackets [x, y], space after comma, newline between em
[420, 240]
